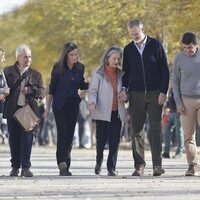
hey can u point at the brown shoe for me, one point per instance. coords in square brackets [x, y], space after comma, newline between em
[138, 172]
[192, 170]
[26, 172]
[158, 170]
[14, 172]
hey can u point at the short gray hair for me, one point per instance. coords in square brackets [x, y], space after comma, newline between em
[135, 22]
[109, 51]
[21, 49]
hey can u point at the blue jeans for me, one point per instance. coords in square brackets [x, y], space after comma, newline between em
[174, 122]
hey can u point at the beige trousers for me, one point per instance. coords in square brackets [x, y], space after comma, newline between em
[189, 120]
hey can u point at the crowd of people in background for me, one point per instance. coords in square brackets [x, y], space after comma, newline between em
[128, 99]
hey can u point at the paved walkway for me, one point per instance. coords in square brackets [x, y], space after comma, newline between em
[84, 184]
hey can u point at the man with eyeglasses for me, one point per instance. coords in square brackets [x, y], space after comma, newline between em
[186, 87]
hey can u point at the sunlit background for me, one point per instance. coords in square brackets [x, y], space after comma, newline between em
[45, 25]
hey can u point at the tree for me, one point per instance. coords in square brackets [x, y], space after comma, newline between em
[93, 25]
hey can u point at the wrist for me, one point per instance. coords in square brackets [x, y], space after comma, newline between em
[162, 94]
[125, 89]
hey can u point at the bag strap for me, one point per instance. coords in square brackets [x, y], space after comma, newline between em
[4, 78]
[18, 82]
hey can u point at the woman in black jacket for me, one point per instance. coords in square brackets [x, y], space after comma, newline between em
[67, 78]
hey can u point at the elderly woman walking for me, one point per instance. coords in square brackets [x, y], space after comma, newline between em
[106, 107]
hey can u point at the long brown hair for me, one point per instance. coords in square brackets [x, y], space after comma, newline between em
[62, 61]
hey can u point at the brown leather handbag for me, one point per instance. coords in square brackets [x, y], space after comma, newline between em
[26, 118]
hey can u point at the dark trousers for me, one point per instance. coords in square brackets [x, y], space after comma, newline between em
[81, 128]
[20, 145]
[141, 106]
[66, 118]
[108, 132]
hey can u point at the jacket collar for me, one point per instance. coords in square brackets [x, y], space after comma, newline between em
[17, 69]
[101, 72]
[148, 39]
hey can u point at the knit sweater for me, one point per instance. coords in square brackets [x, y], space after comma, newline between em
[185, 76]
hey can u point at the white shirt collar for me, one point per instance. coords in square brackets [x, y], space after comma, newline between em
[142, 46]
[143, 42]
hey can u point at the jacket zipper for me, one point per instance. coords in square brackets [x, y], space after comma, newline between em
[145, 86]
[118, 100]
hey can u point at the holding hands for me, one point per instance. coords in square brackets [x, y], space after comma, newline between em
[91, 107]
[123, 96]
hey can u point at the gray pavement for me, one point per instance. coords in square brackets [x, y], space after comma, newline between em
[84, 184]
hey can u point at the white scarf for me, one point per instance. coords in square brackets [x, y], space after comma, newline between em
[22, 99]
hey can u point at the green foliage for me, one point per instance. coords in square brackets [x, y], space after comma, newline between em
[93, 25]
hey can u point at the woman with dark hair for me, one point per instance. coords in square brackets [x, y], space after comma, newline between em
[106, 107]
[67, 77]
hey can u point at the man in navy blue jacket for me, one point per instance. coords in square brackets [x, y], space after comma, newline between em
[146, 79]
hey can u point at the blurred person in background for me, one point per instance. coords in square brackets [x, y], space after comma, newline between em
[106, 107]
[173, 124]
[67, 77]
[4, 91]
[84, 122]
[42, 133]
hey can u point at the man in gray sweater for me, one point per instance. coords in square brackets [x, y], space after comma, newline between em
[186, 87]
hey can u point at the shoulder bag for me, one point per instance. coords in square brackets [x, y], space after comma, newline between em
[26, 118]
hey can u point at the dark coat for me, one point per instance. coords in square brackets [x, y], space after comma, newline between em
[66, 85]
[148, 72]
[35, 86]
